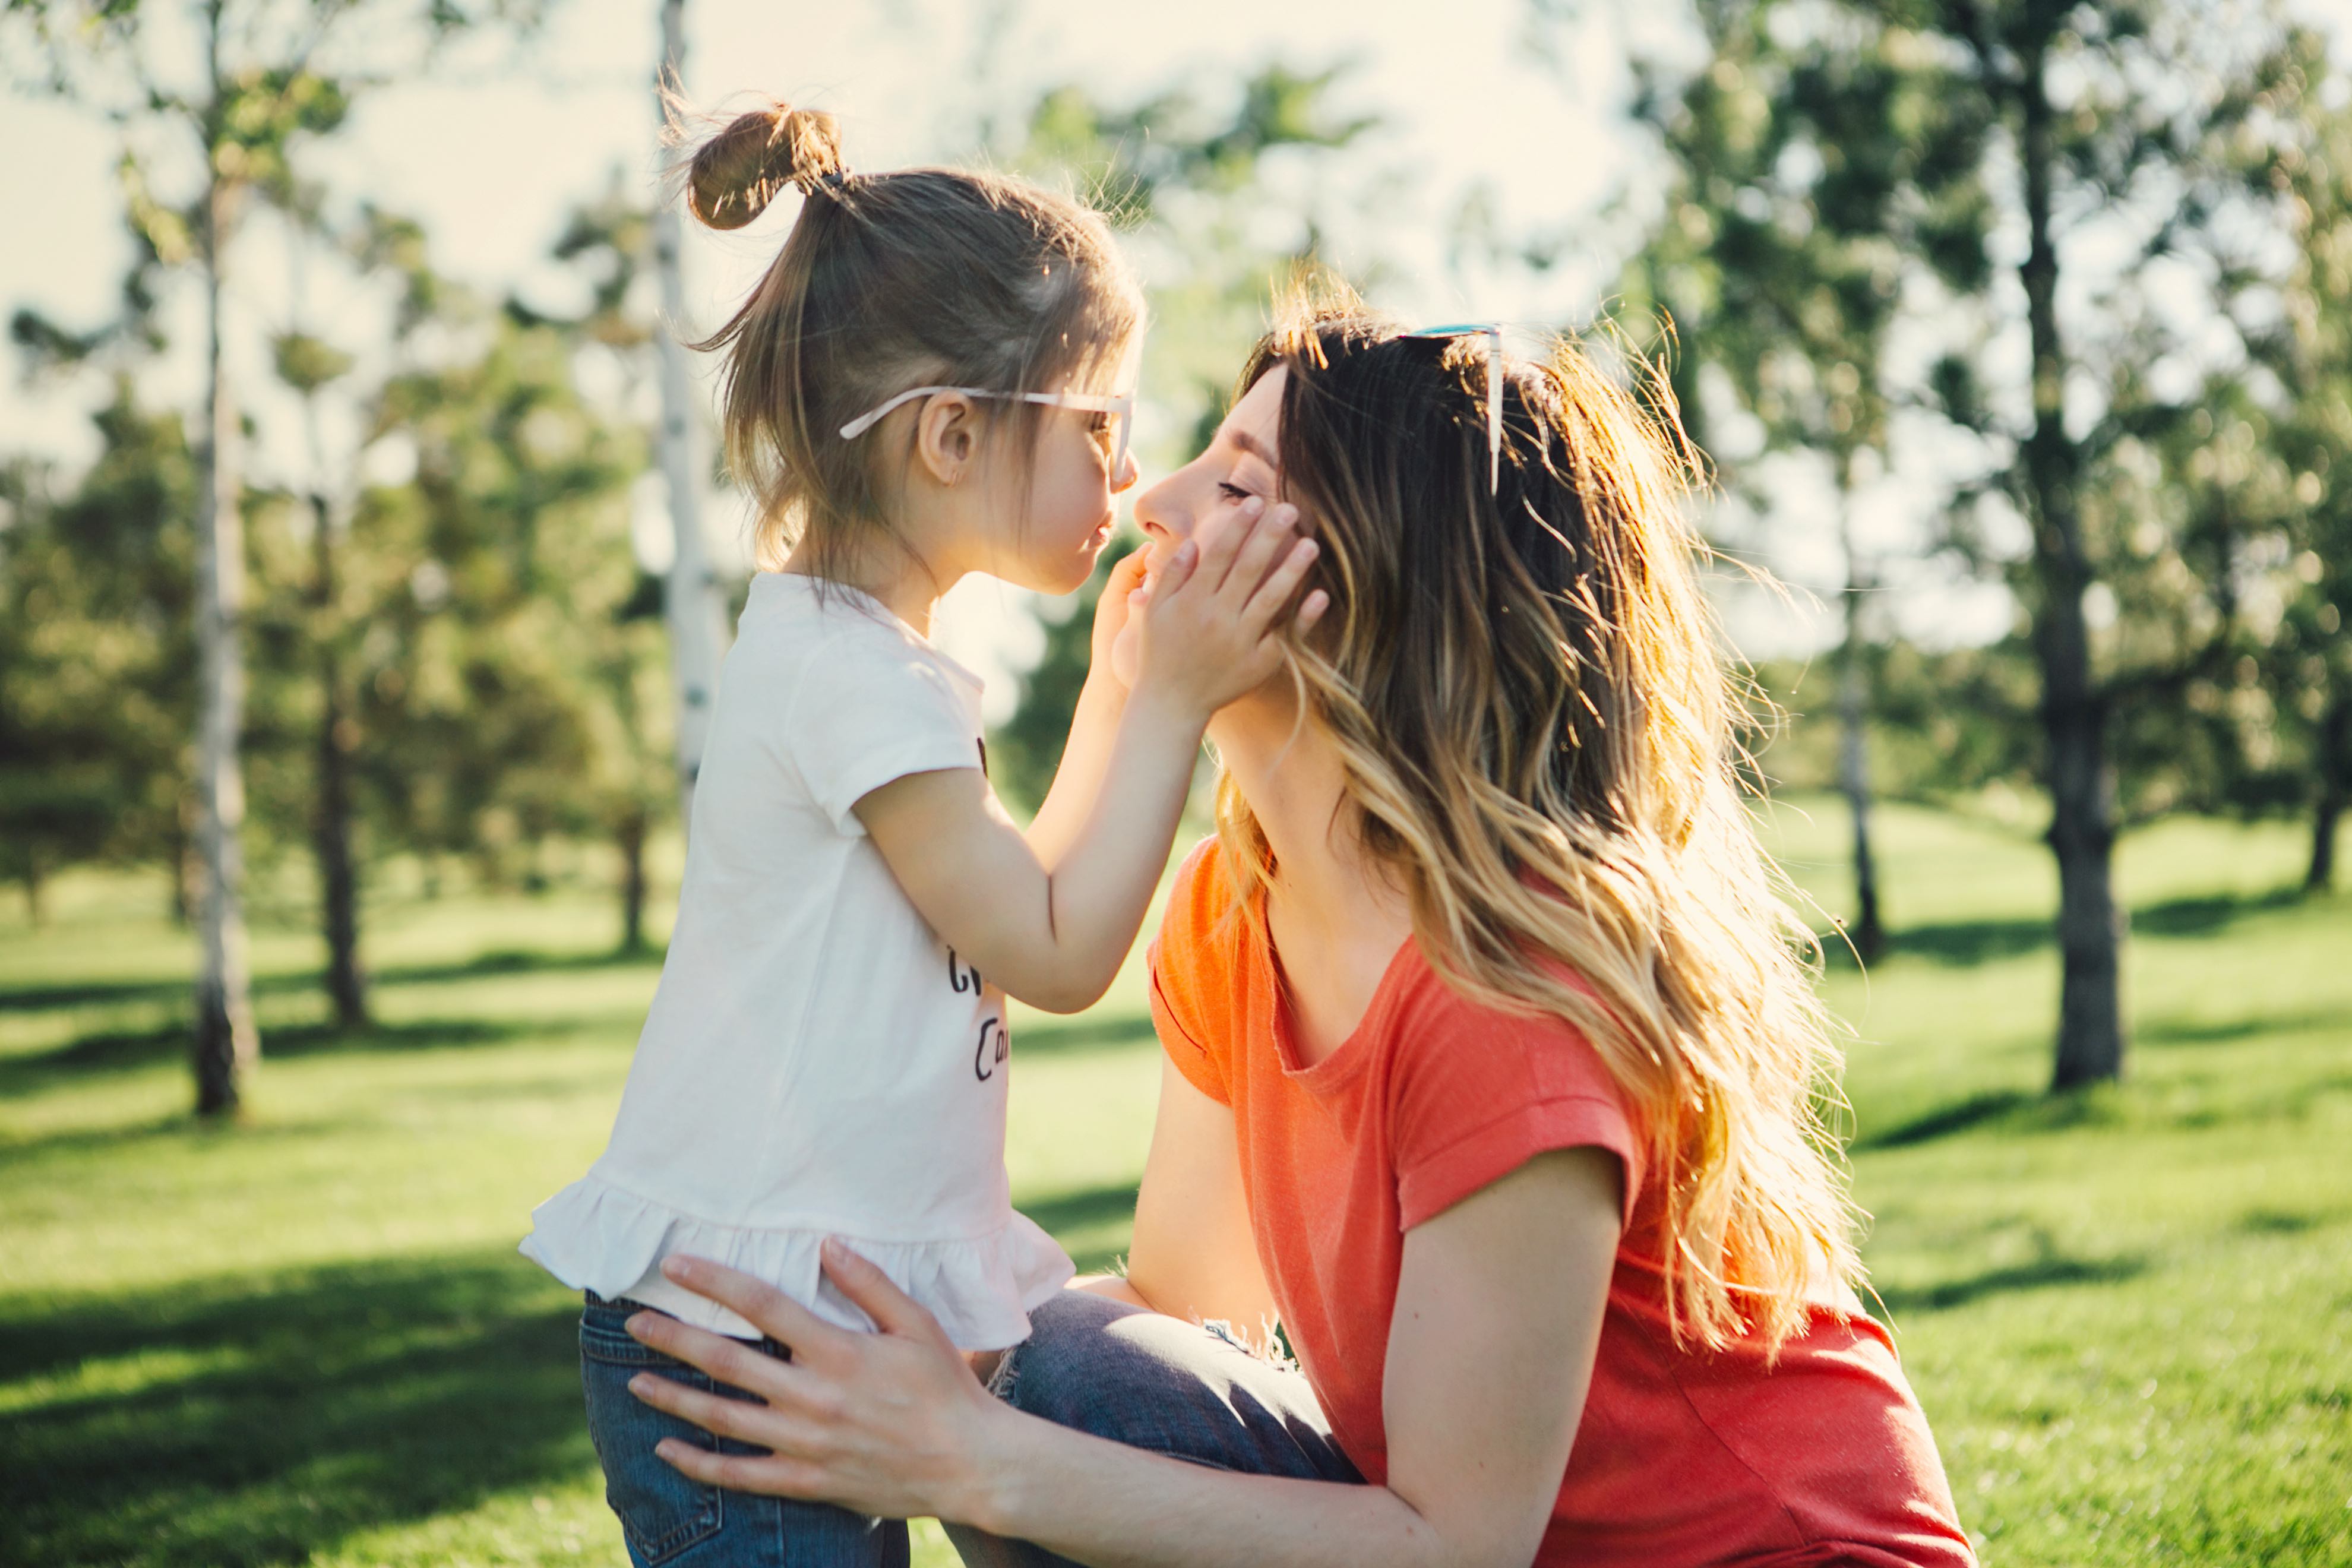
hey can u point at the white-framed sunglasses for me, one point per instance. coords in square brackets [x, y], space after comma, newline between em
[1493, 332]
[1120, 406]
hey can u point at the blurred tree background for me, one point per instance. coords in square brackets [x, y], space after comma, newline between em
[2018, 335]
[1848, 246]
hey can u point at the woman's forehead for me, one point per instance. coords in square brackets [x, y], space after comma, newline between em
[1255, 421]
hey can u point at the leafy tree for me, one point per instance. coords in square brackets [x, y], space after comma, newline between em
[96, 692]
[1810, 174]
[1971, 123]
[260, 81]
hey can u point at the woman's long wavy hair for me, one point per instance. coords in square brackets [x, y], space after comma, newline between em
[1537, 734]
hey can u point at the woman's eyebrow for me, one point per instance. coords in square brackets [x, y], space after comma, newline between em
[1252, 446]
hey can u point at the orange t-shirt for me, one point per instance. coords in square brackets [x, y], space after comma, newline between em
[1683, 1456]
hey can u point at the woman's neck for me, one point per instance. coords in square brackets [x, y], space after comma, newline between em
[1292, 778]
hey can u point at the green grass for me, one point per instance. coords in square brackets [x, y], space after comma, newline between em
[308, 1339]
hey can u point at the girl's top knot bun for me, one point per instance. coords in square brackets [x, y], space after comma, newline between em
[738, 172]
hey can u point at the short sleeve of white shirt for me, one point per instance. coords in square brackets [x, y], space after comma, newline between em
[870, 708]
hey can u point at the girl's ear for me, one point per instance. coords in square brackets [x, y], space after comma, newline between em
[947, 436]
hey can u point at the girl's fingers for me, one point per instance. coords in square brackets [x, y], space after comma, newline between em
[1310, 610]
[1217, 555]
[1126, 574]
[1275, 591]
[1174, 574]
[893, 1311]
[1260, 551]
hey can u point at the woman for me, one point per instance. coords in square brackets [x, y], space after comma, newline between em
[1489, 1075]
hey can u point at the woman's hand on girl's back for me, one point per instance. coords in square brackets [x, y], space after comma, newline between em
[1210, 628]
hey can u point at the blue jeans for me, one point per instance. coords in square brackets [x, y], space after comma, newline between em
[1160, 1383]
[668, 1519]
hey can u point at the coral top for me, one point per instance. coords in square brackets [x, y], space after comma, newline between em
[1683, 1456]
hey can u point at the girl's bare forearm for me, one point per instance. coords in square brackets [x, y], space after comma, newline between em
[1100, 887]
[1078, 778]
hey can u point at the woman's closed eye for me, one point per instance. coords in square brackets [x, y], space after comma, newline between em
[1233, 493]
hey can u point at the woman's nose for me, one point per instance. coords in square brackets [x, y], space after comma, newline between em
[1156, 512]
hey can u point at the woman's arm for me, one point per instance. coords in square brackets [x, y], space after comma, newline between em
[1193, 1255]
[1499, 1313]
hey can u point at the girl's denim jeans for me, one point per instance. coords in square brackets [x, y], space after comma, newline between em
[1161, 1383]
[670, 1521]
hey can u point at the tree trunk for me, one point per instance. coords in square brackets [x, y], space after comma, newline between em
[225, 1043]
[1867, 933]
[632, 841]
[2074, 710]
[339, 894]
[690, 600]
[2335, 743]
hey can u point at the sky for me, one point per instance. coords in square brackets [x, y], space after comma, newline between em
[493, 143]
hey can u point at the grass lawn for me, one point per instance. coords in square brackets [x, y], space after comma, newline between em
[308, 1339]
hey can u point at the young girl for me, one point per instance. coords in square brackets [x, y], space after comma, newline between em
[930, 380]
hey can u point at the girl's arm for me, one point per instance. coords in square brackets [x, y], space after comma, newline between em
[1094, 724]
[1054, 933]
[1490, 1353]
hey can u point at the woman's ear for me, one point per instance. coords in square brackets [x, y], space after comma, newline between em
[948, 435]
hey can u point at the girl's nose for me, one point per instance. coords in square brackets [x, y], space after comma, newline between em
[1129, 472]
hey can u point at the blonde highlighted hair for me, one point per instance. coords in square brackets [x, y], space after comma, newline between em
[1536, 736]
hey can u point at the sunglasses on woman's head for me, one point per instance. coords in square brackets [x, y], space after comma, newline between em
[1122, 408]
[1493, 332]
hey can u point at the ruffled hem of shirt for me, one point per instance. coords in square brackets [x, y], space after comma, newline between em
[594, 1236]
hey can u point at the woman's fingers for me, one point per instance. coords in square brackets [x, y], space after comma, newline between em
[724, 1360]
[745, 1420]
[756, 1301]
[893, 1311]
[772, 1474]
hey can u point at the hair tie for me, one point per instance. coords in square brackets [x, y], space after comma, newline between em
[834, 179]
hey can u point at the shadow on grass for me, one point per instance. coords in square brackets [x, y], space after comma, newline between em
[43, 998]
[122, 1051]
[2042, 1273]
[1960, 944]
[1094, 1206]
[1942, 1123]
[262, 1418]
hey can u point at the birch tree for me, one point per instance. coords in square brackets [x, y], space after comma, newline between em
[217, 96]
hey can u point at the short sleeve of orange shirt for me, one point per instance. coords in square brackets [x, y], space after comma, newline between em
[1680, 1457]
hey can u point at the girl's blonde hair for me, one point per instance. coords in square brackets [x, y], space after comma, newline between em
[1537, 738]
[889, 281]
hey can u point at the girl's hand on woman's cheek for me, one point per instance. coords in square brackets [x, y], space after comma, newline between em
[1114, 620]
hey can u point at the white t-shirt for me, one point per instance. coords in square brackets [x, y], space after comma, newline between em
[816, 1062]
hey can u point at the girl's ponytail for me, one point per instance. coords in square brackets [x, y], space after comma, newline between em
[736, 174]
